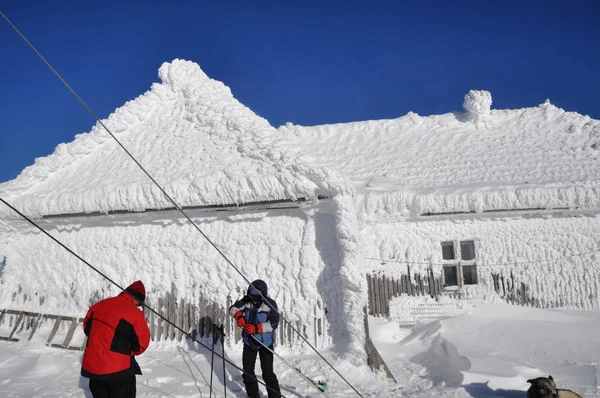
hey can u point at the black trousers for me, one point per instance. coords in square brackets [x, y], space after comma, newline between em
[266, 365]
[113, 389]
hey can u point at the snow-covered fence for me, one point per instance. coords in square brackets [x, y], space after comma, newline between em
[517, 294]
[383, 288]
[198, 319]
[514, 290]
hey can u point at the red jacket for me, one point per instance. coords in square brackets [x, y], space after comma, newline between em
[117, 331]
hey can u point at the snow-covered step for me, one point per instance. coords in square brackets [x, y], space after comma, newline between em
[407, 310]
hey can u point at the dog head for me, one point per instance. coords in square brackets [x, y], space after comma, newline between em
[542, 387]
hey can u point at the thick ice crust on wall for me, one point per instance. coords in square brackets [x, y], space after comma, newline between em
[503, 246]
[162, 252]
[382, 206]
[352, 286]
[190, 133]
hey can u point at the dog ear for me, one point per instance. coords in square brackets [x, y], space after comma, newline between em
[550, 377]
[531, 381]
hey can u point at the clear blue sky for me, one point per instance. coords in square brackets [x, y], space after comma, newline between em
[308, 62]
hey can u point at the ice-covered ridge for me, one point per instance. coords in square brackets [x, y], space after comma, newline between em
[190, 133]
[472, 160]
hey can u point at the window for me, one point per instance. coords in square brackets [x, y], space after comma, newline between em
[467, 250]
[470, 274]
[463, 272]
[448, 250]
[450, 275]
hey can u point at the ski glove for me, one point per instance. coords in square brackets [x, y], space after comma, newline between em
[251, 329]
[239, 317]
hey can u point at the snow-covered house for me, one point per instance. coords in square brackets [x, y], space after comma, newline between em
[252, 192]
[488, 203]
[492, 203]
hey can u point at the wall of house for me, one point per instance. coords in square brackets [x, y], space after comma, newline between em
[550, 260]
[291, 250]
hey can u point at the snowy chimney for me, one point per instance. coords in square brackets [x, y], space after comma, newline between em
[477, 103]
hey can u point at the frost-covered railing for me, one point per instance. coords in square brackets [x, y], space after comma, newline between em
[408, 310]
[558, 284]
[198, 320]
[544, 287]
[383, 288]
[57, 330]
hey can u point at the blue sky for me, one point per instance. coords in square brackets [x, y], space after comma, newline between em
[307, 62]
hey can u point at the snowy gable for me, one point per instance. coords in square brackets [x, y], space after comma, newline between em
[475, 160]
[190, 133]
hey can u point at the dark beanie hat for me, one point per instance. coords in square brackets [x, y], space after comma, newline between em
[137, 290]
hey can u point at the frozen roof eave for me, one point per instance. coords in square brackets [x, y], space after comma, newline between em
[582, 197]
[283, 204]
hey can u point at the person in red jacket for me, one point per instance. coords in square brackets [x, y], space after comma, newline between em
[117, 331]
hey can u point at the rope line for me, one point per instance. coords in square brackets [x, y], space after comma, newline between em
[173, 201]
[487, 265]
[187, 334]
[289, 365]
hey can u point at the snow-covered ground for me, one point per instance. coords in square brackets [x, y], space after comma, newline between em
[489, 352]
[492, 351]
[174, 370]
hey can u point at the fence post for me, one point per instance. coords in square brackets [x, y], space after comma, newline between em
[409, 281]
[228, 325]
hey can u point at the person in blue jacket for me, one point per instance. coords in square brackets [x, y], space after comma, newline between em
[257, 314]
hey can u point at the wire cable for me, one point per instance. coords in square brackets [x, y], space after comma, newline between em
[451, 262]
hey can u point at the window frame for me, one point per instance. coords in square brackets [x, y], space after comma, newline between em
[455, 276]
[451, 244]
[459, 264]
[472, 242]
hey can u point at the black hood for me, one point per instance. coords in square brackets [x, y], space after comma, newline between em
[260, 285]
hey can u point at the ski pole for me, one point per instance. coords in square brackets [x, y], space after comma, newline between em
[312, 383]
[223, 353]
[212, 356]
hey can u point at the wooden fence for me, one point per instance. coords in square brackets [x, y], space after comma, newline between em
[195, 319]
[198, 319]
[382, 288]
[518, 293]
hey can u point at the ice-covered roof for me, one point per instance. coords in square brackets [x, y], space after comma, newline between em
[540, 156]
[190, 133]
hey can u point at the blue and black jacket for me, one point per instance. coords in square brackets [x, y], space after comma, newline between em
[256, 311]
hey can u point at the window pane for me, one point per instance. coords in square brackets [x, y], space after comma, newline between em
[470, 274]
[467, 250]
[448, 250]
[450, 275]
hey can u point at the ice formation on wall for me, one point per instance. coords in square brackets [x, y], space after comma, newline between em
[477, 103]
